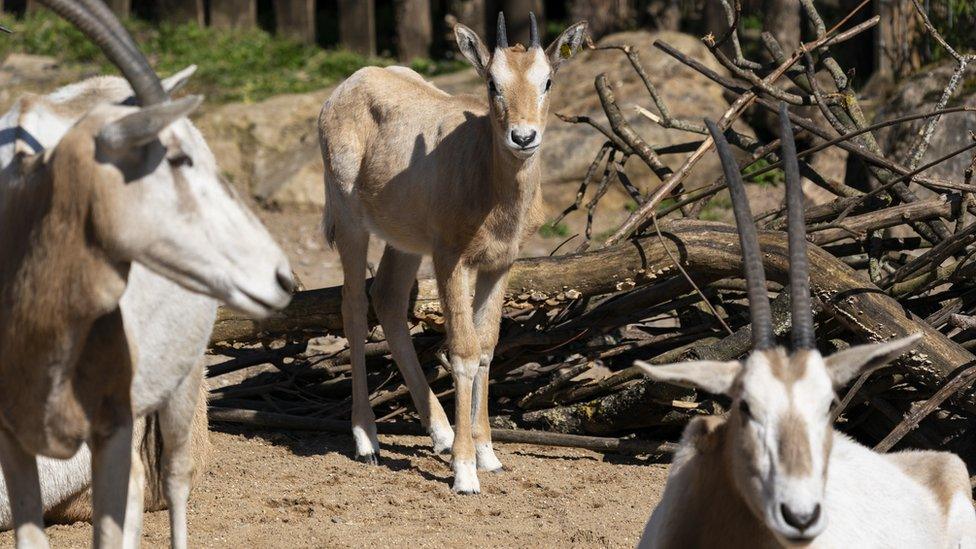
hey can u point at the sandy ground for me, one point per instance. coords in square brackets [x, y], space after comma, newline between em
[281, 489]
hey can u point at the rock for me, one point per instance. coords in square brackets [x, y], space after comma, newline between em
[22, 67]
[920, 93]
[568, 149]
[270, 149]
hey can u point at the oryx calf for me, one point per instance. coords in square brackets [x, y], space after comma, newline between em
[124, 184]
[775, 473]
[456, 178]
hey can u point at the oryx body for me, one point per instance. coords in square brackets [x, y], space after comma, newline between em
[774, 472]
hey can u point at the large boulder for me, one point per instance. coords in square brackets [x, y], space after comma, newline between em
[270, 149]
[569, 148]
[921, 93]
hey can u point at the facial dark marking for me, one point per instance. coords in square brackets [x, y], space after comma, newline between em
[794, 445]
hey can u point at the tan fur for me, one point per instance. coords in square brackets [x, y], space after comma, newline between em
[58, 302]
[78, 508]
[435, 174]
[942, 473]
[710, 491]
[794, 445]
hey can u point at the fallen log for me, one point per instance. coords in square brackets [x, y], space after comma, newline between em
[706, 249]
[540, 438]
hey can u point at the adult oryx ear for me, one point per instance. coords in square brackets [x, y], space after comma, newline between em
[472, 48]
[175, 82]
[142, 126]
[850, 363]
[566, 45]
[709, 375]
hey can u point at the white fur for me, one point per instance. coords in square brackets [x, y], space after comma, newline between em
[466, 477]
[870, 503]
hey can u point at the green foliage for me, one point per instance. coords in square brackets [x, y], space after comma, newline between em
[717, 207]
[956, 21]
[234, 65]
[771, 178]
[549, 230]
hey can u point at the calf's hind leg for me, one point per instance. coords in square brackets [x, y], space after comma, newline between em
[390, 294]
[353, 243]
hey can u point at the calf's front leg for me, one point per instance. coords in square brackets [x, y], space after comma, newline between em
[489, 296]
[453, 282]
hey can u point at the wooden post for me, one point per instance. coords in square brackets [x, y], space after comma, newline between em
[233, 14]
[296, 19]
[896, 51]
[182, 11]
[471, 13]
[121, 8]
[414, 31]
[357, 26]
[604, 16]
[517, 20]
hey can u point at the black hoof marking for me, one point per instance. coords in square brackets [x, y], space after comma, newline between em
[369, 459]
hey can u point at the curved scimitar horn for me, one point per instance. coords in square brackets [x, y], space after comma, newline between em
[533, 31]
[801, 308]
[759, 309]
[144, 81]
[501, 35]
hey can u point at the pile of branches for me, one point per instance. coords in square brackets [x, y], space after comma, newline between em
[667, 286]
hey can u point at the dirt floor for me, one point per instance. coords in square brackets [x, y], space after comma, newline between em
[279, 489]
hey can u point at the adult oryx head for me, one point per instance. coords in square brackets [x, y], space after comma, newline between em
[518, 80]
[154, 188]
[779, 428]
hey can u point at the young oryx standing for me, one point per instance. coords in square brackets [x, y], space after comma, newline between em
[774, 472]
[455, 178]
[123, 184]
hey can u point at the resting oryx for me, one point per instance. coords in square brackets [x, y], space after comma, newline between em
[774, 472]
[115, 185]
[456, 178]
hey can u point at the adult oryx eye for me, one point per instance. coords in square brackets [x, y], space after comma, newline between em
[492, 88]
[548, 84]
[180, 160]
[744, 408]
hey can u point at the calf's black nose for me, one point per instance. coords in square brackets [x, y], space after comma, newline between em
[523, 139]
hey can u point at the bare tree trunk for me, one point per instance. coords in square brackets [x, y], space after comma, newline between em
[781, 18]
[296, 19]
[233, 14]
[517, 19]
[414, 31]
[182, 11]
[896, 51]
[122, 8]
[666, 14]
[357, 26]
[471, 13]
[604, 16]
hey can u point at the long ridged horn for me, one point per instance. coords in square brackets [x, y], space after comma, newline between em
[533, 31]
[501, 34]
[759, 309]
[105, 15]
[803, 334]
[144, 81]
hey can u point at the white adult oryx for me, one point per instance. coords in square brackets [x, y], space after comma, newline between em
[774, 472]
[456, 178]
[117, 188]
